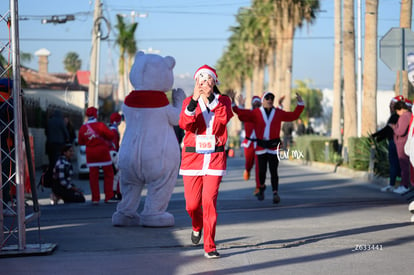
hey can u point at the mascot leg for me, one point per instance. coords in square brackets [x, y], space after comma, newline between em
[156, 203]
[126, 210]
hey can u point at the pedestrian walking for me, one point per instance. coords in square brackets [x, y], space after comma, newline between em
[204, 117]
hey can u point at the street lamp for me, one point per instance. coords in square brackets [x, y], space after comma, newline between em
[55, 19]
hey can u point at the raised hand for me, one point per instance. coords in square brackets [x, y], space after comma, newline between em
[299, 98]
[231, 94]
[241, 100]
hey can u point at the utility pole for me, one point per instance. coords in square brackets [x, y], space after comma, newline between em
[93, 92]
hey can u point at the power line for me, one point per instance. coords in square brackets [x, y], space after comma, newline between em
[201, 39]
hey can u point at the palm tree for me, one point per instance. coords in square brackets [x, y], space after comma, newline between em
[405, 22]
[337, 81]
[72, 62]
[350, 125]
[292, 14]
[369, 102]
[127, 45]
[312, 98]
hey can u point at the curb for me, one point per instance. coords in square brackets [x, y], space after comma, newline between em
[344, 171]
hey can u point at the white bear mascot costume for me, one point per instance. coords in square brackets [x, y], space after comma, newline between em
[149, 153]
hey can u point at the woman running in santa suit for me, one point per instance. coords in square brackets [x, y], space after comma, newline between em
[204, 117]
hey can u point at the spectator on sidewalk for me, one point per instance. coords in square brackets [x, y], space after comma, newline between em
[388, 133]
[287, 129]
[300, 127]
[70, 128]
[400, 138]
[63, 186]
[57, 136]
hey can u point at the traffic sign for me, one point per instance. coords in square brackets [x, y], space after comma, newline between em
[395, 46]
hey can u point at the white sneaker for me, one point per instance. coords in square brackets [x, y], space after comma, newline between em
[411, 207]
[401, 189]
[412, 218]
[388, 188]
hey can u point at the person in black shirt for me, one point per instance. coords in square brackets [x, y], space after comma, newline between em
[388, 133]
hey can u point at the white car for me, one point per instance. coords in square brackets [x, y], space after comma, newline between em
[82, 167]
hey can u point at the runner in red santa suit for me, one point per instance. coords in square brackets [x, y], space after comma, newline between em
[204, 117]
[97, 138]
[249, 145]
[267, 121]
[115, 119]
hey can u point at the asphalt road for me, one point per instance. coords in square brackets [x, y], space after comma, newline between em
[326, 223]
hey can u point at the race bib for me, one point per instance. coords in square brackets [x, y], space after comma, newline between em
[205, 144]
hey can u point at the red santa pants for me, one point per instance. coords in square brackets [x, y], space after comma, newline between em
[250, 159]
[108, 182]
[200, 194]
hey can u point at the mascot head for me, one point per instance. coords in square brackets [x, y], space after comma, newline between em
[151, 72]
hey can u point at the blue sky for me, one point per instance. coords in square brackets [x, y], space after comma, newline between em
[193, 32]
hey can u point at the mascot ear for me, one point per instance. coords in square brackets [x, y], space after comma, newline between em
[170, 61]
[140, 53]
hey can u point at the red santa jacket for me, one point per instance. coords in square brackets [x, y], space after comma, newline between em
[115, 141]
[267, 128]
[250, 135]
[97, 138]
[205, 120]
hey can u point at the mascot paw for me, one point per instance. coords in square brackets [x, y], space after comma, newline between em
[178, 96]
[162, 220]
[119, 219]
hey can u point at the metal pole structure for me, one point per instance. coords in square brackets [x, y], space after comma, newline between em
[93, 80]
[359, 71]
[18, 126]
[97, 63]
[17, 229]
[403, 66]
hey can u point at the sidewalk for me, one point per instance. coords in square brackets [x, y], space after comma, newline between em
[326, 223]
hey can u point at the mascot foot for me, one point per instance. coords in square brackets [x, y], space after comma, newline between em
[411, 207]
[162, 220]
[119, 219]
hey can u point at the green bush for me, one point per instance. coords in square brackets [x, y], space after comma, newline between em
[360, 154]
[314, 148]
